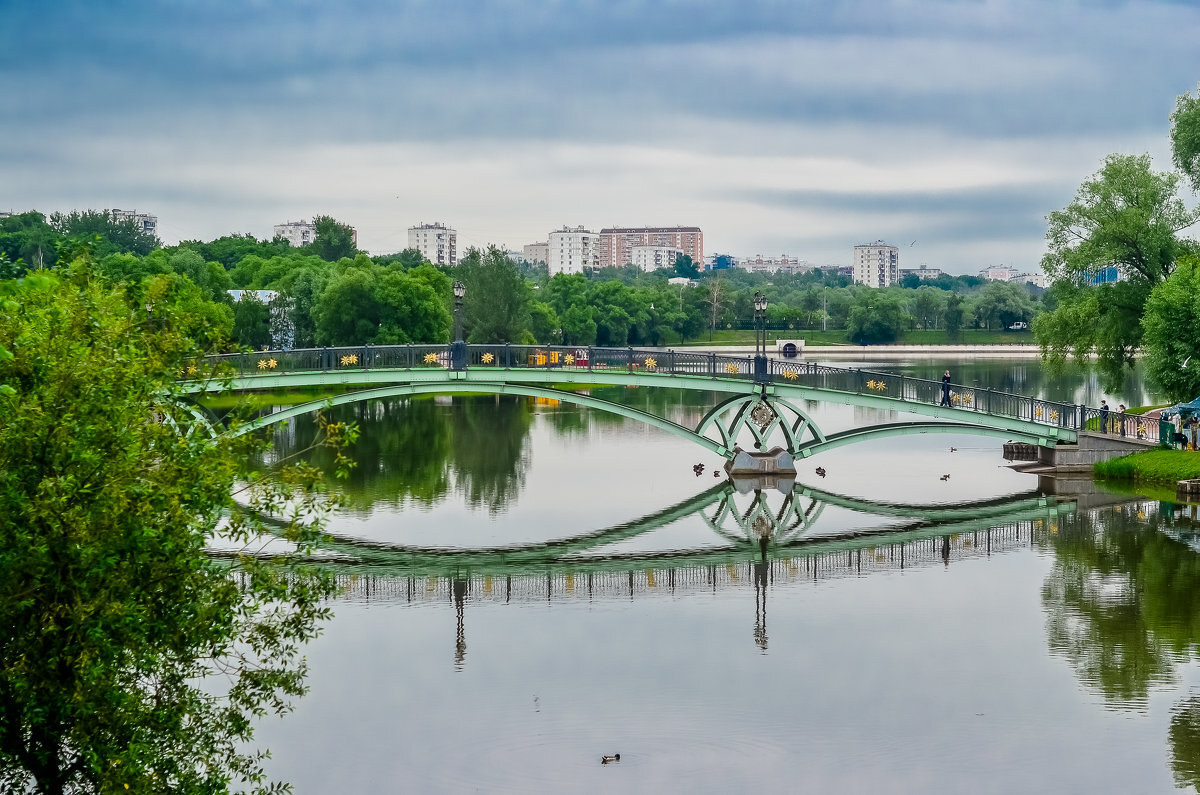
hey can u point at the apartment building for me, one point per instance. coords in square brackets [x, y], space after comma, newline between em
[436, 242]
[616, 244]
[876, 264]
[571, 250]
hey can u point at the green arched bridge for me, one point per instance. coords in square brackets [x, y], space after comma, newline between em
[761, 404]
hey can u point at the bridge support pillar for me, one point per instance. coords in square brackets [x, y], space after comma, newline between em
[775, 461]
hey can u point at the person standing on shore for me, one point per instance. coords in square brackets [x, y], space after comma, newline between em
[1103, 416]
[946, 389]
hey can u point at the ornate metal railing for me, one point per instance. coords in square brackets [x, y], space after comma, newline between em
[671, 362]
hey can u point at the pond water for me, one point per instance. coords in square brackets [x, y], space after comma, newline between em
[541, 585]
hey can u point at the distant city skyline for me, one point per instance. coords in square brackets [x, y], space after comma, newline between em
[797, 129]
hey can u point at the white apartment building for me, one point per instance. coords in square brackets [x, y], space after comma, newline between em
[650, 258]
[535, 253]
[298, 233]
[921, 273]
[436, 242]
[572, 250]
[999, 273]
[876, 264]
[781, 264]
[147, 222]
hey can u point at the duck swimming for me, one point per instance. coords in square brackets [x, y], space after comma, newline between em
[607, 758]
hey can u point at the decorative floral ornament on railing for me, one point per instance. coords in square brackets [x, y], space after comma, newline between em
[963, 399]
[790, 374]
[651, 363]
[487, 358]
[351, 358]
[431, 358]
[877, 385]
[731, 368]
[1054, 415]
[267, 364]
[569, 359]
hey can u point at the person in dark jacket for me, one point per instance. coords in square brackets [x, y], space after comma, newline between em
[946, 389]
[1103, 416]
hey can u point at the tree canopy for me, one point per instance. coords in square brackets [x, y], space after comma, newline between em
[132, 659]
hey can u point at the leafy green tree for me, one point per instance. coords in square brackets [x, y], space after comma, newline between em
[1185, 136]
[348, 311]
[1126, 217]
[1171, 332]
[251, 322]
[876, 318]
[927, 304]
[28, 239]
[413, 306]
[113, 235]
[1001, 304]
[686, 268]
[578, 325]
[497, 303]
[544, 323]
[132, 660]
[334, 240]
[229, 250]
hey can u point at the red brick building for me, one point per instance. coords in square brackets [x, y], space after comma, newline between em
[616, 245]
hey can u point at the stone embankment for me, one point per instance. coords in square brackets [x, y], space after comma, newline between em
[877, 351]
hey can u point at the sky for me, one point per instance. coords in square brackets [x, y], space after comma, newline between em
[949, 129]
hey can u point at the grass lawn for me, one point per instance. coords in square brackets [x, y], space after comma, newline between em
[838, 337]
[1153, 466]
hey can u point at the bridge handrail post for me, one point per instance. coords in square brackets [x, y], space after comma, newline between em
[325, 359]
[366, 352]
[712, 364]
[629, 359]
[1080, 417]
[902, 387]
[408, 350]
[671, 360]
[859, 380]
[507, 357]
[591, 359]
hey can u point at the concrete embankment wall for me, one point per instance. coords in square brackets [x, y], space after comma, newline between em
[878, 351]
[1091, 449]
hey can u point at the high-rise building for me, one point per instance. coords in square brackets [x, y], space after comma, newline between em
[571, 250]
[146, 222]
[876, 264]
[781, 264]
[298, 233]
[436, 242]
[616, 245]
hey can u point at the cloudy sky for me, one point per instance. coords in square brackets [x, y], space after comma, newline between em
[777, 127]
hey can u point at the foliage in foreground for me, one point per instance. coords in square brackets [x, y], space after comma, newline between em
[132, 658]
[1152, 466]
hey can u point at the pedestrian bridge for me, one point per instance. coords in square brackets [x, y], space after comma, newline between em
[761, 403]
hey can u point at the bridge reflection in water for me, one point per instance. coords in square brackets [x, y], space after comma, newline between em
[770, 543]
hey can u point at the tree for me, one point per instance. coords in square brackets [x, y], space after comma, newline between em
[1001, 304]
[716, 298]
[113, 235]
[132, 660]
[927, 304]
[1126, 217]
[876, 318]
[334, 240]
[27, 238]
[686, 268]
[251, 322]
[498, 299]
[1171, 332]
[578, 325]
[348, 311]
[1185, 136]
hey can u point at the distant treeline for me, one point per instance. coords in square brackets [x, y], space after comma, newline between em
[334, 294]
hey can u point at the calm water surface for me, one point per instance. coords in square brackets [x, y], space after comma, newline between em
[542, 585]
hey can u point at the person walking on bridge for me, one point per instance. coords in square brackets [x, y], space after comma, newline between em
[946, 389]
[1103, 416]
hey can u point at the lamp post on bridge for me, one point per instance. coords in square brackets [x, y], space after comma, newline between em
[458, 350]
[760, 338]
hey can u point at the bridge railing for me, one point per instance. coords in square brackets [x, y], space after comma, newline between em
[670, 362]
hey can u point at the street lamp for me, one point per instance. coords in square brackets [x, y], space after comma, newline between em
[458, 350]
[760, 338]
